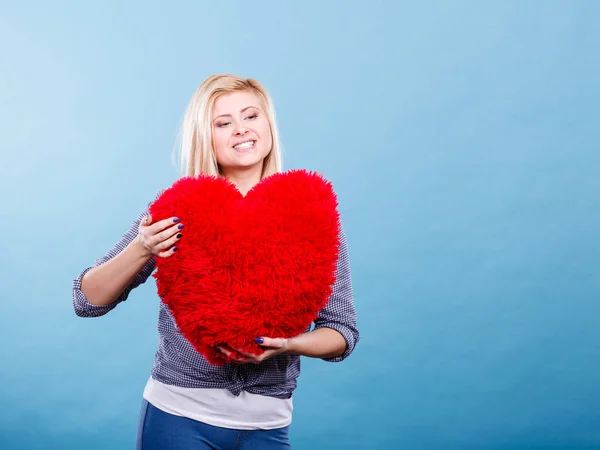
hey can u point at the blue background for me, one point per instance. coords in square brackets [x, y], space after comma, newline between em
[462, 140]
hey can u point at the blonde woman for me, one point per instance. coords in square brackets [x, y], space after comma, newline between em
[229, 130]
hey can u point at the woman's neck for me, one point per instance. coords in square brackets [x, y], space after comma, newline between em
[244, 179]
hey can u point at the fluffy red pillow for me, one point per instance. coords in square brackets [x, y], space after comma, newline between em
[248, 266]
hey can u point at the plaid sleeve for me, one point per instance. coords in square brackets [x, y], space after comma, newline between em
[340, 313]
[82, 307]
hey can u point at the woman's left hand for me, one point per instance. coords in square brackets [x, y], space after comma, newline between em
[272, 346]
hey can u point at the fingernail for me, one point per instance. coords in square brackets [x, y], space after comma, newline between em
[259, 340]
[175, 219]
[179, 236]
[180, 226]
[174, 249]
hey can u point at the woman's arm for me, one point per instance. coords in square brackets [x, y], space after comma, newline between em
[340, 313]
[321, 343]
[103, 284]
[98, 289]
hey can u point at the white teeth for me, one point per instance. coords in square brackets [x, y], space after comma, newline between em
[244, 145]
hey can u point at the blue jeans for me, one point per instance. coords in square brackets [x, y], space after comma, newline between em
[158, 430]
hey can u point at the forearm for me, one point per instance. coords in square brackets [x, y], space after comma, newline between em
[320, 343]
[103, 284]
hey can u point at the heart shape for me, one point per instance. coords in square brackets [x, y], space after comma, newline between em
[263, 264]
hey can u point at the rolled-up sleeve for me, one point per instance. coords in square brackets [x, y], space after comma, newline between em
[82, 307]
[340, 312]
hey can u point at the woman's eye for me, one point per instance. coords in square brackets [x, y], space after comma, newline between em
[224, 124]
[253, 116]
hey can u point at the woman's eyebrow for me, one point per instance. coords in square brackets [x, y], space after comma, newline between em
[229, 115]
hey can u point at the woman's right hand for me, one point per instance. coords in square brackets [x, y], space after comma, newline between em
[159, 239]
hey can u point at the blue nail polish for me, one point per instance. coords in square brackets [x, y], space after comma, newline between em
[259, 340]
[180, 226]
[174, 249]
[175, 219]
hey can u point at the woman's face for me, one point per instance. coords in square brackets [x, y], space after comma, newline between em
[241, 131]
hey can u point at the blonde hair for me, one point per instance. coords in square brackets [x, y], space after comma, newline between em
[196, 143]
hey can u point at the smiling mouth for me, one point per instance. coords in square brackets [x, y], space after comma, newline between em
[245, 146]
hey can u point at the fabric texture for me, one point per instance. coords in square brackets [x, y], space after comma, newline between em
[262, 264]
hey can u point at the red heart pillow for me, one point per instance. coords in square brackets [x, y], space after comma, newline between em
[247, 266]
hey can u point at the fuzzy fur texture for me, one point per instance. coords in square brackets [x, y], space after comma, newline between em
[259, 265]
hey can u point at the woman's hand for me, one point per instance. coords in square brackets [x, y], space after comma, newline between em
[319, 343]
[272, 346]
[159, 239]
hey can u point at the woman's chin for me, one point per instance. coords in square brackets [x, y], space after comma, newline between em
[249, 159]
[244, 164]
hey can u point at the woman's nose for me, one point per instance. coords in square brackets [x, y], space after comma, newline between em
[241, 130]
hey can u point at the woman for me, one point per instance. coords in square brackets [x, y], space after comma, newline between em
[229, 130]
